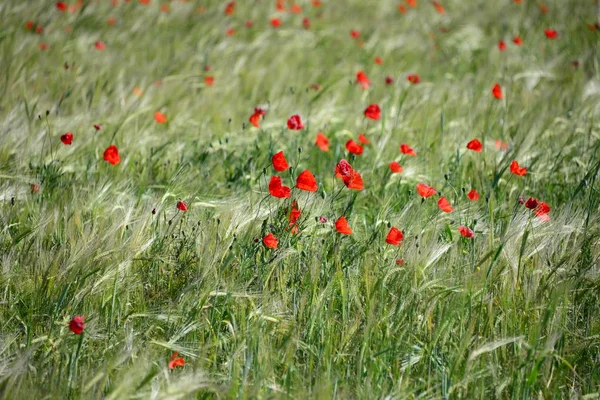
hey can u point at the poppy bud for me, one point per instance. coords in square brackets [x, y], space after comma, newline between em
[243, 125]
[446, 176]
[47, 112]
[463, 190]
[299, 149]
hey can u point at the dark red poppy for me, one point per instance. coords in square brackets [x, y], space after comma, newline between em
[501, 45]
[425, 191]
[399, 261]
[439, 7]
[279, 162]
[111, 154]
[97, 127]
[466, 232]
[277, 189]
[270, 241]
[497, 91]
[67, 138]
[295, 123]
[351, 178]
[394, 237]
[77, 325]
[531, 203]
[373, 112]
[395, 167]
[176, 361]
[322, 142]
[181, 206]
[444, 205]
[389, 80]
[61, 6]
[406, 149]
[354, 147]
[341, 225]
[473, 195]
[517, 170]
[306, 181]
[306, 23]
[475, 145]
[29, 25]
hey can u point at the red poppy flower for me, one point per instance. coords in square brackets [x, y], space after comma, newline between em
[414, 79]
[277, 189]
[341, 225]
[77, 325]
[401, 9]
[543, 8]
[575, 63]
[412, 3]
[100, 45]
[406, 149]
[29, 25]
[363, 139]
[497, 91]
[542, 209]
[176, 361]
[249, 23]
[160, 117]
[181, 206]
[399, 261]
[551, 34]
[255, 118]
[111, 21]
[39, 30]
[275, 22]
[44, 46]
[475, 145]
[444, 205]
[295, 123]
[517, 170]
[230, 8]
[354, 34]
[67, 138]
[322, 142]
[294, 213]
[473, 195]
[270, 241]
[209, 80]
[531, 203]
[363, 80]
[306, 23]
[351, 178]
[279, 162]
[317, 3]
[61, 6]
[111, 154]
[500, 145]
[97, 127]
[389, 80]
[517, 40]
[501, 45]
[439, 7]
[296, 8]
[466, 232]
[354, 147]
[378, 61]
[395, 167]
[394, 237]
[373, 112]
[425, 191]
[230, 32]
[306, 181]
[35, 188]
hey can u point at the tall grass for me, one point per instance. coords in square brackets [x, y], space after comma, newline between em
[511, 313]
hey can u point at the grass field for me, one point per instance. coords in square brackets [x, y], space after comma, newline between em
[510, 309]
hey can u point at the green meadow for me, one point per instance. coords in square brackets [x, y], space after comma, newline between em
[198, 277]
